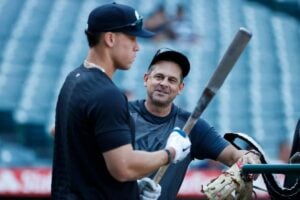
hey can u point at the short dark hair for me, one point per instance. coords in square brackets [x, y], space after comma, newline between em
[92, 38]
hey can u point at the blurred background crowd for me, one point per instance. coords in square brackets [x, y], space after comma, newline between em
[42, 40]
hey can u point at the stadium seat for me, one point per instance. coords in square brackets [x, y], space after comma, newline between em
[42, 43]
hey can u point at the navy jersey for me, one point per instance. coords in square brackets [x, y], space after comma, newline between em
[92, 117]
[152, 133]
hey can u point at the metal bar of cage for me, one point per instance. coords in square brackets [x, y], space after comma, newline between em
[271, 168]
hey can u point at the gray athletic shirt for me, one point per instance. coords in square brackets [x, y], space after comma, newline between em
[152, 133]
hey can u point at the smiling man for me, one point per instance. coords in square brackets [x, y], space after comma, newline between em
[157, 115]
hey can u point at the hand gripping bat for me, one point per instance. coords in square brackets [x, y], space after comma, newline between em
[227, 62]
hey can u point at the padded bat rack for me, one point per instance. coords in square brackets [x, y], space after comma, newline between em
[274, 189]
[294, 156]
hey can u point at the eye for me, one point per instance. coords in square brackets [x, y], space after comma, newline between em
[159, 77]
[173, 80]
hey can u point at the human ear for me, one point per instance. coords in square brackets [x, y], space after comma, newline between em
[109, 38]
[181, 86]
[146, 77]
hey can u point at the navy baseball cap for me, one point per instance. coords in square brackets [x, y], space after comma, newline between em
[174, 56]
[115, 17]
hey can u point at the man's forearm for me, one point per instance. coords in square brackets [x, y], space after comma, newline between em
[126, 164]
[230, 155]
[144, 162]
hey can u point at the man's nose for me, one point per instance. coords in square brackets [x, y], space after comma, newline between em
[136, 46]
[164, 81]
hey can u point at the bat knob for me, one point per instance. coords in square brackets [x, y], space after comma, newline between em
[246, 31]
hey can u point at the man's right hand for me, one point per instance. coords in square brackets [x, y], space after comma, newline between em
[180, 142]
[149, 190]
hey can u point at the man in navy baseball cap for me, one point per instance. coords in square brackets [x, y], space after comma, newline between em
[94, 156]
[117, 18]
[167, 54]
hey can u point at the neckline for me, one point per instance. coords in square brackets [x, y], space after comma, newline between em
[92, 65]
[153, 118]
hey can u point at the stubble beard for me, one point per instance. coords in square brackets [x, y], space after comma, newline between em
[159, 102]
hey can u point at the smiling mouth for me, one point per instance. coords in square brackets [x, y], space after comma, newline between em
[159, 92]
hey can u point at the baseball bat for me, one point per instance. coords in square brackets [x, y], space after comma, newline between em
[225, 65]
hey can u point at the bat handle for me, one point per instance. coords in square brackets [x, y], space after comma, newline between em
[186, 129]
[190, 123]
[160, 173]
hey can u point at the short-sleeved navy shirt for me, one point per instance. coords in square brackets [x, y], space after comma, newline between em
[92, 117]
[151, 133]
